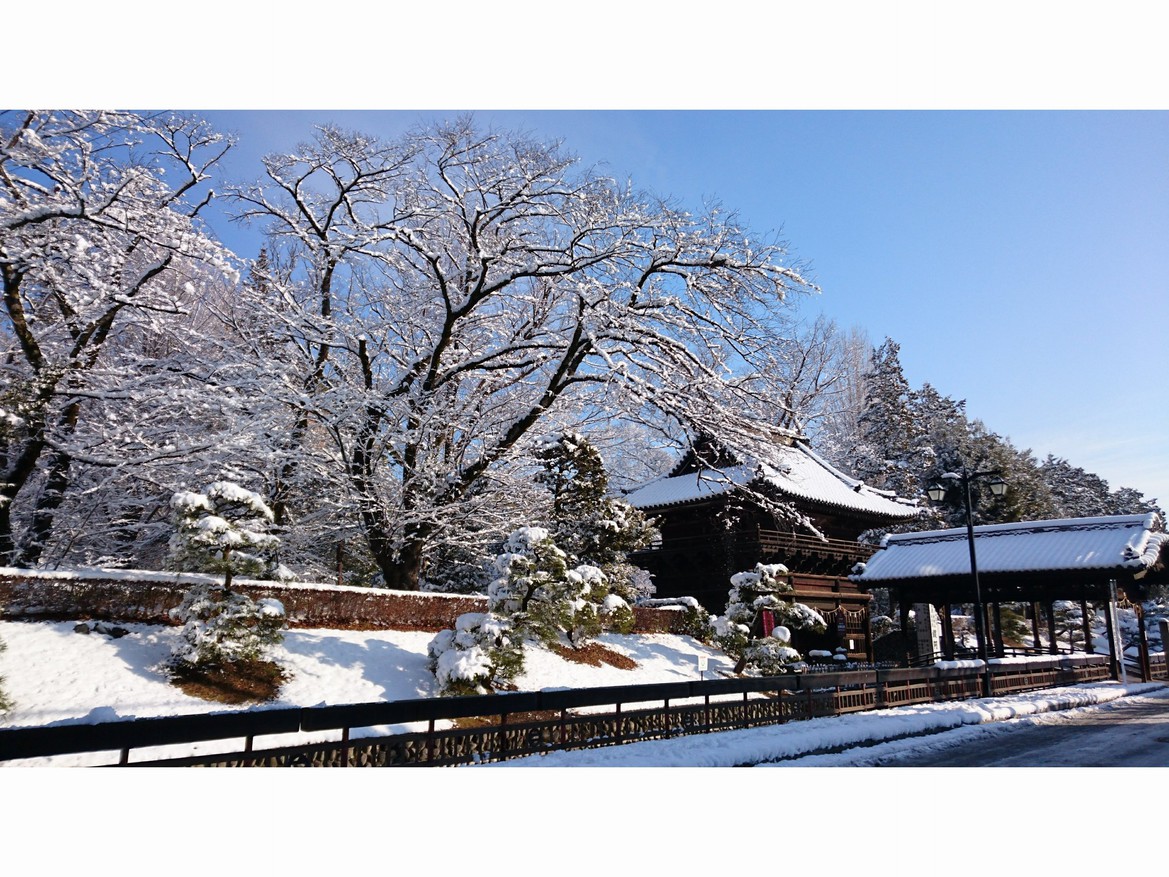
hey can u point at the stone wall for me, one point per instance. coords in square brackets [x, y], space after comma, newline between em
[132, 595]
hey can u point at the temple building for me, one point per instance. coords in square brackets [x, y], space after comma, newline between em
[720, 513]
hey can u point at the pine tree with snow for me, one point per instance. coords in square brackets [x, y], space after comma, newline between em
[542, 595]
[535, 596]
[223, 627]
[751, 593]
[891, 453]
[224, 530]
[483, 653]
[1081, 494]
[592, 527]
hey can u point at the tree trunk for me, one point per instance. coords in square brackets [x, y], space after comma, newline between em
[44, 514]
[7, 543]
[404, 573]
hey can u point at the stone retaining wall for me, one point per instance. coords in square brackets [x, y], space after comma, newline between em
[132, 595]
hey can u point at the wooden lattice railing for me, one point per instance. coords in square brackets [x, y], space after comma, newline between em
[524, 723]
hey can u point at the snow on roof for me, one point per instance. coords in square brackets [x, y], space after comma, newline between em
[1131, 543]
[794, 470]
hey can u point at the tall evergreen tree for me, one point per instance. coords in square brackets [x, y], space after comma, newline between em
[1080, 494]
[893, 453]
[591, 526]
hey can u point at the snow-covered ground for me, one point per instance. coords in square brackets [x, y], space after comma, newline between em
[54, 675]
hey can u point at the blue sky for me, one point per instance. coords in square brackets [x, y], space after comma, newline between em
[1020, 258]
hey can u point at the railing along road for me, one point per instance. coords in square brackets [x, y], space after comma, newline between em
[467, 730]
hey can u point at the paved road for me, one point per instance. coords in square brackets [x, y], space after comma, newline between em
[1126, 733]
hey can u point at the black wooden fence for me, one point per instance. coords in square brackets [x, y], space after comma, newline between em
[502, 726]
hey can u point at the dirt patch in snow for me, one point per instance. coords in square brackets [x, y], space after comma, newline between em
[237, 683]
[595, 654]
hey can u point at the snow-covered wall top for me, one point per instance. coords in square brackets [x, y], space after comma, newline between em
[795, 471]
[1122, 543]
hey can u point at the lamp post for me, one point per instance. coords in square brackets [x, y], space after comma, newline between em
[937, 493]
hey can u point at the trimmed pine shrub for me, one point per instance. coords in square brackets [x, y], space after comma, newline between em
[224, 627]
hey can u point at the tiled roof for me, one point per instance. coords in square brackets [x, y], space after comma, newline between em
[1120, 543]
[793, 470]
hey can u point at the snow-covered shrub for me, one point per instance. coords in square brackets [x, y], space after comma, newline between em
[696, 621]
[773, 655]
[222, 627]
[882, 625]
[1069, 623]
[543, 597]
[224, 530]
[535, 595]
[753, 592]
[482, 653]
[799, 616]
[617, 615]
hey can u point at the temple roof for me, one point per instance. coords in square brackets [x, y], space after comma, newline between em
[791, 469]
[1128, 545]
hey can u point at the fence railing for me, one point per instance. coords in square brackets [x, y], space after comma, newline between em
[501, 726]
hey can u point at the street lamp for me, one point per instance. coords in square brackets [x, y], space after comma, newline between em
[937, 493]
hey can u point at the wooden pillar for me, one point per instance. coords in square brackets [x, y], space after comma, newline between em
[1035, 624]
[903, 610]
[1113, 638]
[1088, 647]
[1049, 608]
[999, 648]
[1146, 670]
[947, 631]
[870, 656]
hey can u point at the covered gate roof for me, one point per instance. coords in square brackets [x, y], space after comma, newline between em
[1023, 557]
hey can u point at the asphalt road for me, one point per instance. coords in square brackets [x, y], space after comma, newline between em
[1126, 733]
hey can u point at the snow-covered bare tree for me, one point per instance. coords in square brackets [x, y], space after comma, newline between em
[100, 245]
[457, 288]
[819, 369]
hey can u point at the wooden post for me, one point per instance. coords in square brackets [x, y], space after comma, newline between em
[1035, 624]
[870, 655]
[903, 608]
[947, 631]
[1146, 668]
[999, 648]
[1049, 608]
[1088, 646]
[1110, 615]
